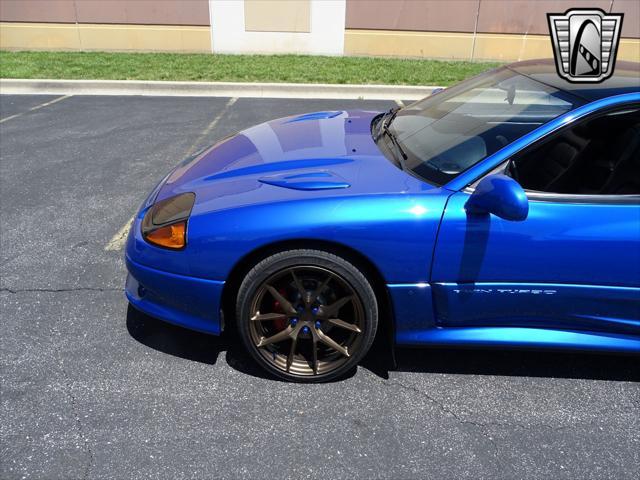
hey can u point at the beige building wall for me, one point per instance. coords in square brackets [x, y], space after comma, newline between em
[504, 30]
[105, 37]
[277, 16]
[313, 27]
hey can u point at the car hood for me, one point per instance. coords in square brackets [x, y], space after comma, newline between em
[313, 155]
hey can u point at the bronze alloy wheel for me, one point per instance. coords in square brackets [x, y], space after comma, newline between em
[306, 321]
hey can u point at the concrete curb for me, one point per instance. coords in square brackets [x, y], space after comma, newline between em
[213, 89]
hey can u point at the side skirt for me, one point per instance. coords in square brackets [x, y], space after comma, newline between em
[517, 337]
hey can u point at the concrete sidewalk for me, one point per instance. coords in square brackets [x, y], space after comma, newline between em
[213, 89]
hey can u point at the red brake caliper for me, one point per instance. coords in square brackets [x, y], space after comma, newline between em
[279, 323]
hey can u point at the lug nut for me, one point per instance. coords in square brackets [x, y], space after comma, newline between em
[315, 310]
[305, 329]
[318, 324]
[294, 321]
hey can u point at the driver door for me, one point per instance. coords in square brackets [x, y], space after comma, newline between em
[574, 263]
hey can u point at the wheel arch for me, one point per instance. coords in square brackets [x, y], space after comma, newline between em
[365, 264]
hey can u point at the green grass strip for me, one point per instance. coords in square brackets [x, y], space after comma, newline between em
[235, 68]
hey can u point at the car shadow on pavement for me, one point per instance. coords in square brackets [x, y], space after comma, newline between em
[520, 363]
[172, 339]
[204, 348]
[192, 345]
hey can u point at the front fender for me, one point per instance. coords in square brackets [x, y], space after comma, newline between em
[396, 232]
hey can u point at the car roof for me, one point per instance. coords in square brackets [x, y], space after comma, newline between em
[625, 79]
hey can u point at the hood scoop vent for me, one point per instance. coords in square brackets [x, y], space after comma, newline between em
[314, 116]
[307, 181]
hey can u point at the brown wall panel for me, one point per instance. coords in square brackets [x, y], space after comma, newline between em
[55, 11]
[494, 16]
[145, 12]
[418, 15]
[631, 21]
[525, 16]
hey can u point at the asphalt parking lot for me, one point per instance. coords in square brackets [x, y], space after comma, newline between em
[92, 389]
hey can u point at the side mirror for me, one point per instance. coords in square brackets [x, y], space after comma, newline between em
[500, 195]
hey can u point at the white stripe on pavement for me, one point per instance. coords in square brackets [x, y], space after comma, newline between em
[37, 107]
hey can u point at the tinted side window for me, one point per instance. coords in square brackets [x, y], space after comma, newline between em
[599, 156]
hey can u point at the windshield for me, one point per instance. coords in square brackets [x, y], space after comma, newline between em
[449, 132]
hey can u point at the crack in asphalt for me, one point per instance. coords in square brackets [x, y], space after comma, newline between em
[86, 244]
[67, 379]
[74, 408]
[481, 426]
[60, 290]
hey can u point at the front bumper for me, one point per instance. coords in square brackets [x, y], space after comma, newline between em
[194, 303]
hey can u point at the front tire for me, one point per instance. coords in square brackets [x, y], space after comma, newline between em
[306, 315]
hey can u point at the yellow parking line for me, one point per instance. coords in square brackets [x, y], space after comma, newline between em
[211, 126]
[117, 241]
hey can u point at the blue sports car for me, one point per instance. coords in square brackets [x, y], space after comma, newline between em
[501, 212]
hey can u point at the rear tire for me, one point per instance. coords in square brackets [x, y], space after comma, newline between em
[306, 315]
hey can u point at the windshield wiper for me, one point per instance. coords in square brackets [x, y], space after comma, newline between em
[384, 129]
[386, 120]
[394, 141]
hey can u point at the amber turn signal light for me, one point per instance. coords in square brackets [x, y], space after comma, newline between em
[165, 223]
[170, 236]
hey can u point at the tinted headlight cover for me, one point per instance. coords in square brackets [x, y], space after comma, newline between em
[165, 223]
